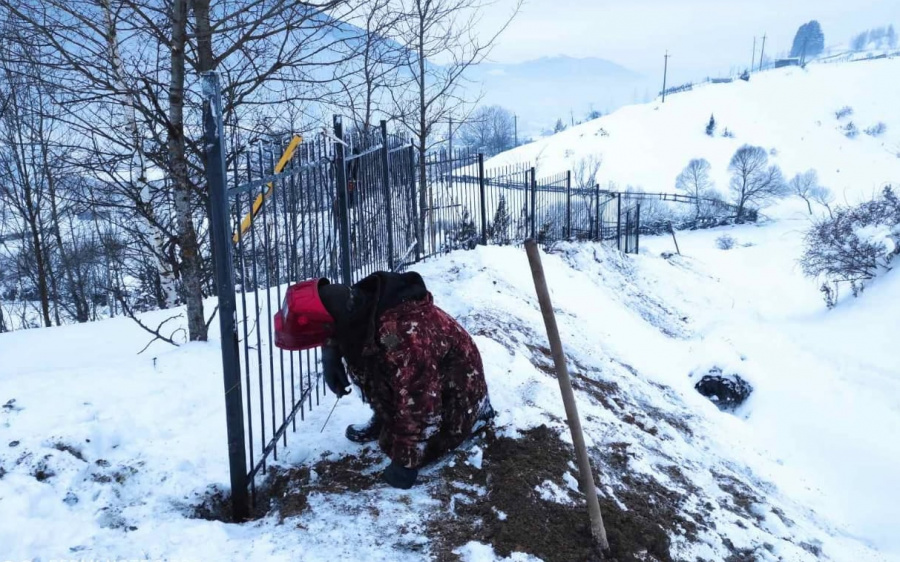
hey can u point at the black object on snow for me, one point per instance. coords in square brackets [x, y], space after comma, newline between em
[725, 391]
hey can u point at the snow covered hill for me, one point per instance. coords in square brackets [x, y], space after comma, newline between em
[106, 453]
[790, 112]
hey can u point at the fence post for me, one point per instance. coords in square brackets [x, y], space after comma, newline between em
[342, 214]
[599, 226]
[569, 204]
[414, 201]
[220, 233]
[388, 204]
[637, 230]
[533, 200]
[483, 199]
[619, 222]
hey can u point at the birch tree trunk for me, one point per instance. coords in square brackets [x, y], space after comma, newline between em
[167, 279]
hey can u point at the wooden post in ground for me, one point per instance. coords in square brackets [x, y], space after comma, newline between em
[585, 473]
[672, 230]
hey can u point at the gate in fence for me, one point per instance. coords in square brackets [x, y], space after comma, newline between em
[343, 206]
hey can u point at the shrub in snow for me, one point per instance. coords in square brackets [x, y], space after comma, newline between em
[850, 130]
[854, 244]
[876, 130]
[725, 242]
[465, 235]
[711, 126]
[843, 112]
[727, 133]
[727, 392]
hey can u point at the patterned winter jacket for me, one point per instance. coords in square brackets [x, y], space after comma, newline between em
[419, 369]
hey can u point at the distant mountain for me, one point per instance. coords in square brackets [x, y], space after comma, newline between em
[544, 90]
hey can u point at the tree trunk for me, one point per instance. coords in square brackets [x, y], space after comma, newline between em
[139, 165]
[40, 266]
[191, 263]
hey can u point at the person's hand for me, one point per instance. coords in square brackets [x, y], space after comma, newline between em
[399, 476]
[333, 371]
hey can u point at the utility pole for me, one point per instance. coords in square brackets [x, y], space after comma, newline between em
[572, 115]
[665, 73]
[515, 130]
[762, 52]
[753, 60]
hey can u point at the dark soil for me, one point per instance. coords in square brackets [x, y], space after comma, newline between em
[555, 532]
[66, 448]
[285, 491]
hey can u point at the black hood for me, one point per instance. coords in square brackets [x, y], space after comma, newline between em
[356, 309]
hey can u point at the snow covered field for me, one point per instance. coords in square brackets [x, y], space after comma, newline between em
[107, 454]
[790, 110]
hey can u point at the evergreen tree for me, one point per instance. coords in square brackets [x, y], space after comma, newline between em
[891, 37]
[711, 126]
[465, 235]
[560, 126]
[500, 226]
[809, 41]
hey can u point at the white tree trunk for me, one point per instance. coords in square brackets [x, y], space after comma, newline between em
[167, 280]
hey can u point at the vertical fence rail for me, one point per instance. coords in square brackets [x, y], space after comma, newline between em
[214, 143]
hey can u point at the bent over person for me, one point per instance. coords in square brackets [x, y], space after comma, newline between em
[416, 366]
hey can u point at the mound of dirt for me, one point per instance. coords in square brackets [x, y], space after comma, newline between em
[500, 505]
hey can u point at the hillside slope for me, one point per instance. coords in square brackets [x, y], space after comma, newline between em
[790, 111]
[105, 451]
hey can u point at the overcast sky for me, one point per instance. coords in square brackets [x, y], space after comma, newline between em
[703, 36]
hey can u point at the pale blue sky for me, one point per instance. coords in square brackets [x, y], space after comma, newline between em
[703, 36]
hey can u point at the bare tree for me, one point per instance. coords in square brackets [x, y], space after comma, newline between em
[695, 182]
[753, 181]
[437, 30]
[489, 130]
[806, 186]
[372, 63]
[128, 69]
[23, 176]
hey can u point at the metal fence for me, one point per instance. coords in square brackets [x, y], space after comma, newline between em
[342, 206]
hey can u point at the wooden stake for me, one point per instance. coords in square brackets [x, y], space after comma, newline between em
[585, 473]
[672, 230]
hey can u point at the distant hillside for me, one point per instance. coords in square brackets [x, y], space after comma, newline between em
[791, 112]
[544, 90]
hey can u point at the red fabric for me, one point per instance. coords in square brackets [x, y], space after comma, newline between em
[303, 323]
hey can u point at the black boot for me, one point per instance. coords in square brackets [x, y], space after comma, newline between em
[365, 433]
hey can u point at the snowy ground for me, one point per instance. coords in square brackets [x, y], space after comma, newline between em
[103, 452]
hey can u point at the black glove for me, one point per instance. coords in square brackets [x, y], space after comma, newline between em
[333, 370]
[399, 476]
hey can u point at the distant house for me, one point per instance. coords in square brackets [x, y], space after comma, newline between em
[781, 63]
[721, 80]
